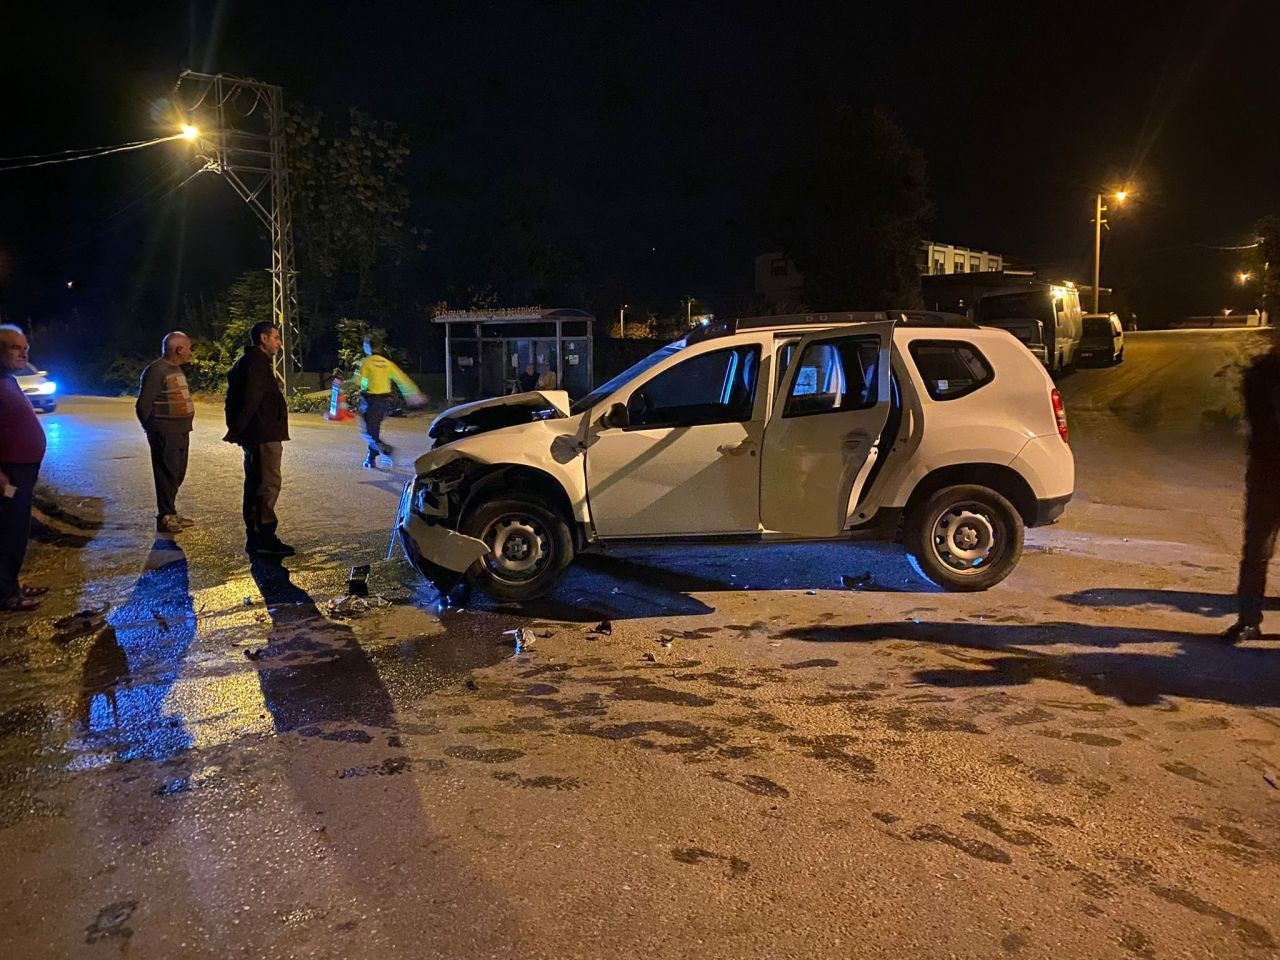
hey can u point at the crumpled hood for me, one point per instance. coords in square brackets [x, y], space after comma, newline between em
[540, 399]
[481, 416]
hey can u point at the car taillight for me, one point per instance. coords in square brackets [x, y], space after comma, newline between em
[1059, 413]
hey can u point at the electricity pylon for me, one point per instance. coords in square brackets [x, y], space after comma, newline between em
[240, 124]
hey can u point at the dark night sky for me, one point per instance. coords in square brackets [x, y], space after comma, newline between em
[645, 131]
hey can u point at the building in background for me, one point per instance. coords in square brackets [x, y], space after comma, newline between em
[780, 283]
[935, 258]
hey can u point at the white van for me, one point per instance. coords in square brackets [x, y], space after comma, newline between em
[1046, 317]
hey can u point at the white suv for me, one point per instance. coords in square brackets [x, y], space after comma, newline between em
[845, 426]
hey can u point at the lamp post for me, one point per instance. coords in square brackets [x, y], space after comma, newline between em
[622, 322]
[1099, 209]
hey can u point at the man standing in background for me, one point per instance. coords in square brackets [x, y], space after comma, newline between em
[165, 411]
[22, 445]
[258, 420]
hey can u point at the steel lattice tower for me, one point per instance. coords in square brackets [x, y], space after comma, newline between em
[241, 123]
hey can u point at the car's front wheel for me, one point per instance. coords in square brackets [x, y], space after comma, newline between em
[964, 537]
[530, 547]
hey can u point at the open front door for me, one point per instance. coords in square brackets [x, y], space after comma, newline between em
[819, 441]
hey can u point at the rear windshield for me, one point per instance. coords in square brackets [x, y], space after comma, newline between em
[1097, 327]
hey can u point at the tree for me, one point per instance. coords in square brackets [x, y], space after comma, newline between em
[850, 212]
[246, 302]
[350, 209]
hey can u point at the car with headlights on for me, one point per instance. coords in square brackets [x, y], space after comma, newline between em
[39, 389]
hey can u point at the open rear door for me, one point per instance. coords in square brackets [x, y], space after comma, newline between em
[828, 418]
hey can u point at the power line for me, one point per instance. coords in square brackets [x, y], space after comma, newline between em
[91, 154]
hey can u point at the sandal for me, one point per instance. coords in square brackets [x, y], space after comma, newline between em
[34, 591]
[18, 604]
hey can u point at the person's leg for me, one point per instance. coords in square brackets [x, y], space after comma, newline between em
[373, 422]
[252, 484]
[270, 456]
[15, 527]
[162, 473]
[181, 453]
[1262, 520]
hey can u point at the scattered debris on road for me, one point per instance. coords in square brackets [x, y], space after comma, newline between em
[522, 637]
[858, 582]
[358, 581]
[603, 627]
[80, 624]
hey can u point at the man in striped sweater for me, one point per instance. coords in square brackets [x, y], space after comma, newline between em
[166, 412]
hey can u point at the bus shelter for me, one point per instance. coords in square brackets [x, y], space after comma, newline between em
[487, 351]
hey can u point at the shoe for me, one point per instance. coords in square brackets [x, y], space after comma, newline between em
[169, 524]
[185, 521]
[274, 547]
[1240, 632]
[371, 462]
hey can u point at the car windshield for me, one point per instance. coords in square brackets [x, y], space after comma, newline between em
[626, 376]
[1099, 327]
[28, 371]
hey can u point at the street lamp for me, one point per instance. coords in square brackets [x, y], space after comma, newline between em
[1120, 196]
[1243, 277]
[189, 132]
[622, 322]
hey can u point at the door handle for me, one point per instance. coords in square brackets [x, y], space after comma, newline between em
[736, 449]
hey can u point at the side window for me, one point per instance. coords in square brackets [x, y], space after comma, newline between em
[950, 368]
[716, 387]
[835, 375]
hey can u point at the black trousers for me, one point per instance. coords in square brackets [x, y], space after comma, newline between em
[15, 524]
[168, 468]
[376, 406]
[262, 481]
[1261, 525]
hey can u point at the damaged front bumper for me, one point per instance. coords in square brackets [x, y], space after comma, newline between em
[439, 554]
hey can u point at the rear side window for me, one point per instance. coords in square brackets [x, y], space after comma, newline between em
[950, 368]
[834, 376]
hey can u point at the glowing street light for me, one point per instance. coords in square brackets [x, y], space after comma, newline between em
[1243, 277]
[1119, 196]
[189, 132]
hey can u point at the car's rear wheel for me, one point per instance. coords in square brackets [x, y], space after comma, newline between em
[965, 537]
[530, 547]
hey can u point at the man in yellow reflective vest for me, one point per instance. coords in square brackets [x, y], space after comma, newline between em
[377, 373]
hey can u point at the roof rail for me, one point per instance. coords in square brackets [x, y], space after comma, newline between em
[906, 318]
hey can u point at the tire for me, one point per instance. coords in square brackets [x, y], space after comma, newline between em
[536, 545]
[976, 514]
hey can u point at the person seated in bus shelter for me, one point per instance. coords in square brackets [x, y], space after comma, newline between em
[547, 381]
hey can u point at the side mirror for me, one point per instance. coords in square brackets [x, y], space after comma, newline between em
[616, 416]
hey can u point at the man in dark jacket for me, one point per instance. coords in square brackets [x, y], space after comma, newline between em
[258, 420]
[1261, 388]
[165, 411]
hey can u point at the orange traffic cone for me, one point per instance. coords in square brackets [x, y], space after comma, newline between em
[338, 403]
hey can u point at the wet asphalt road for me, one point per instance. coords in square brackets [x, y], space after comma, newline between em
[754, 761]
